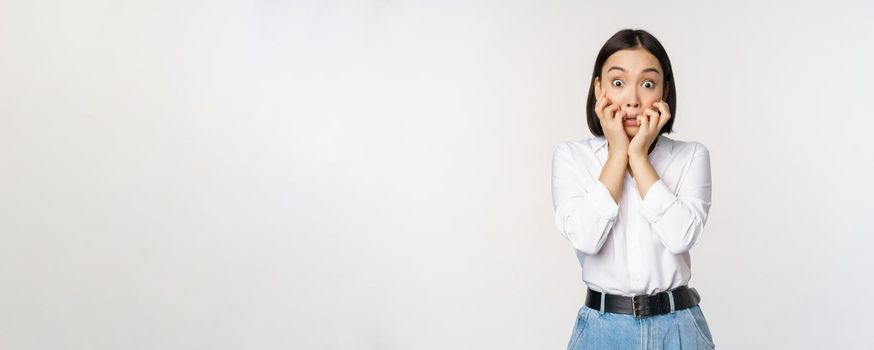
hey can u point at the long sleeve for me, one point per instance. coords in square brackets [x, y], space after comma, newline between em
[584, 209]
[679, 219]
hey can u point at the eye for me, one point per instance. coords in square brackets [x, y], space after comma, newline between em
[649, 84]
[617, 82]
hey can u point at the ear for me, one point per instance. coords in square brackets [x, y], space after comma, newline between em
[597, 86]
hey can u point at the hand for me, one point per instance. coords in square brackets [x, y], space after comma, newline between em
[651, 122]
[611, 122]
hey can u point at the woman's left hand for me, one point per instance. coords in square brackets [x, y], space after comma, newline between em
[651, 122]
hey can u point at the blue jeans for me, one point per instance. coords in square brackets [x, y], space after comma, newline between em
[681, 329]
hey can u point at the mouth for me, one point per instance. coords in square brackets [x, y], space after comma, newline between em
[630, 121]
[630, 115]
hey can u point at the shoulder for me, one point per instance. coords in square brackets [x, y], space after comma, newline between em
[582, 146]
[688, 148]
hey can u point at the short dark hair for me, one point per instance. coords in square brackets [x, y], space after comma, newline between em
[632, 39]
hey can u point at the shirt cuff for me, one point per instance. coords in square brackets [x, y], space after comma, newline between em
[656, 201]
[600, 195]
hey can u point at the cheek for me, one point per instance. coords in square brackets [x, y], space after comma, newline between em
[650, 103]
[652, 98]
[616, 90]
[611, 92]
[615, 94]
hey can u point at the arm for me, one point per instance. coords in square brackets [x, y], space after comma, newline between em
[678, 219]
[644, 174]
[613, 174]
[585, 210]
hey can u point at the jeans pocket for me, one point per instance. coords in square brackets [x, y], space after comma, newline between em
[579, 326]
[697, 318]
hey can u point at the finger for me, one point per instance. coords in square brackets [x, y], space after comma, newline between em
[600, 103]
[609, 110]
[639, 123]
[599, 106]
[665, 111]
[653, 117]
[602, 97]
[663, 108]
[620, 116]
[643, 120]
[615, 122]
[663, 119]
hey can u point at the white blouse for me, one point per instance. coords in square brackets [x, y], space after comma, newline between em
[638, 246]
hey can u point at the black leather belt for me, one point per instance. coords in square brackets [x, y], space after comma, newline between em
[644, 305]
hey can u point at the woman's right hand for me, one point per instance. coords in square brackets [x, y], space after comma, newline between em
[611, 122]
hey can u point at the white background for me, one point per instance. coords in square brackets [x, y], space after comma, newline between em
[376, 174]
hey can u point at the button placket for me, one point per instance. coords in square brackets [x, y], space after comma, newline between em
[633, 239]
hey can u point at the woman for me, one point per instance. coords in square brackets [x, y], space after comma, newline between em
[632, 231]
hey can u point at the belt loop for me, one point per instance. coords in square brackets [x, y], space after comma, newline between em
[603, 297]
[671, 299]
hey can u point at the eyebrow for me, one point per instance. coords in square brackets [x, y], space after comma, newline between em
[650, 69]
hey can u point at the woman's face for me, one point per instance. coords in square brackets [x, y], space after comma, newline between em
[634, 80]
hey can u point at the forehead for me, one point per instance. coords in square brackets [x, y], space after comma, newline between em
[632, 60]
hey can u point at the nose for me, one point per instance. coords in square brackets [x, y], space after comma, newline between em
[632, 99]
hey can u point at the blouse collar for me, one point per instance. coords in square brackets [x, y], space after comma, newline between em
[664, 144]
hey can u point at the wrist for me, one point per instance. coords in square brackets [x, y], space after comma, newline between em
[637, 158]
[617, 149]
[617, 155]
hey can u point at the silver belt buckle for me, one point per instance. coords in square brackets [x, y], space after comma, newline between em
[634, 306]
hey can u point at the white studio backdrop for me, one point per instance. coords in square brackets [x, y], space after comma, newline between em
[376, 174]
